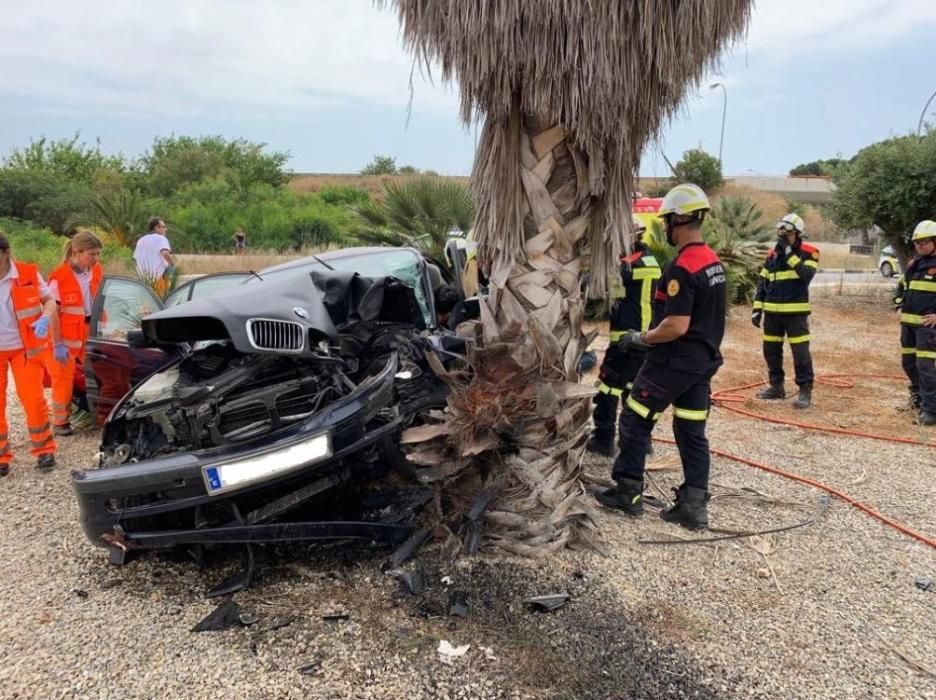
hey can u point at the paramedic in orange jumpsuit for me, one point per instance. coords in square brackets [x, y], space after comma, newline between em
[77, 281]
[27, 310]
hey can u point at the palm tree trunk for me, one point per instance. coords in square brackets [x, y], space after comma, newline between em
[522, 417]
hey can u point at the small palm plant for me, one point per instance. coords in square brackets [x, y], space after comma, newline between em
[162, 286]
[121, 214]
[419, 212]
[739, 235]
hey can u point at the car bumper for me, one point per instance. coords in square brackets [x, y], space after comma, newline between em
[163, 497]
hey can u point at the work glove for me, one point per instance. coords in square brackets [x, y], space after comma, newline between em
[633, 340]
[61, 353]
[756, 316]
[40, 326]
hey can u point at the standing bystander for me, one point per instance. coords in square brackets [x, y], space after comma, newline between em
[153, 256]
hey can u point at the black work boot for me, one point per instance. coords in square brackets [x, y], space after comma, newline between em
[601, 446]
[926, 418]
[63, 430]
[774, 391]
[627, 496]
[689, 510]
[45, 462]
[804, 400]
[916, 401]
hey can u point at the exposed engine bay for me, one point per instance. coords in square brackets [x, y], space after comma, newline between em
[218, 396]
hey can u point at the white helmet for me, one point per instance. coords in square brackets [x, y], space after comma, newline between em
[639, 226]
[792, 220]
[924, 229]
[684, 200]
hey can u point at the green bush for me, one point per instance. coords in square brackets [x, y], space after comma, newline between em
[44, 248]
[343, 194]
[204, 216]
[700, 168]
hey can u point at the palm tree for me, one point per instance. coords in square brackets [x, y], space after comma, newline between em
[570, 94]
[418, 212]
[121, 214]
[738, 233]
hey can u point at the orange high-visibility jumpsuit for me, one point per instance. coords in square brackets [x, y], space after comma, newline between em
[25, 362]
[74, 309]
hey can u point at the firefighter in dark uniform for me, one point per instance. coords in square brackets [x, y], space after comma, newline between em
[631, 310]
[782, 301]
[916, 300]
[683, 354]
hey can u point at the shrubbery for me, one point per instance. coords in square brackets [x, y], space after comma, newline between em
[205, 188]
[44, 248]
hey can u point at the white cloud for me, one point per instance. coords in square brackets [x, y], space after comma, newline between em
[189, 56]
[785, 28]
[295, 57]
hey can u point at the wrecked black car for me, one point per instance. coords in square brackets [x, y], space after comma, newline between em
[265, 394]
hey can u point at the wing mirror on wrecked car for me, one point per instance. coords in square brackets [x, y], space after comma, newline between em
[136, 339]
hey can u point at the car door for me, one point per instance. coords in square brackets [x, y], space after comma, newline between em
[111, 366]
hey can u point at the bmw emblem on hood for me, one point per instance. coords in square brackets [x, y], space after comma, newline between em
[300, 312]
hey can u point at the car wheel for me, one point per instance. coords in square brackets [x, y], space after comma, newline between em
[887, 269]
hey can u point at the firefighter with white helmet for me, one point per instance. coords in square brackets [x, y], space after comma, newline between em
[916, 301]
[782, 303]
[632, 291]
[683, 354]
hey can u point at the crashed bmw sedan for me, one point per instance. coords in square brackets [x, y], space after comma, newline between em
[273, 393]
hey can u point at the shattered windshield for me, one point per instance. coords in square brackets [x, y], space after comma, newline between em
[402, 264]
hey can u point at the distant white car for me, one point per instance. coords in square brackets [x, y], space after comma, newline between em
[887, 262]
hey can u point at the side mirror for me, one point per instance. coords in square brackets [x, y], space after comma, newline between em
[136, 339]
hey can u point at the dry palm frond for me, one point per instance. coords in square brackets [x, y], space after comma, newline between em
[571, 92]
[610, 73]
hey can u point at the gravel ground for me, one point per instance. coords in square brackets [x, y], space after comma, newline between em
[825, 611]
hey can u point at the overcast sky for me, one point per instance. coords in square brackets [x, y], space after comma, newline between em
[328, 81]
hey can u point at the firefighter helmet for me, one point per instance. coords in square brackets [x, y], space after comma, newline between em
[684, 200]
[792, 222]
[924, 229]
[639, 226]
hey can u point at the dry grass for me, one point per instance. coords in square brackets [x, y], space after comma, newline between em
[203, 264]
[835, 256]
[371, 183]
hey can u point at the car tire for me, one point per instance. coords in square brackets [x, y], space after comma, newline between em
[887, 270]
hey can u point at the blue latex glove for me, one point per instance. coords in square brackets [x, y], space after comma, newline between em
[41, 326]
[60, 352]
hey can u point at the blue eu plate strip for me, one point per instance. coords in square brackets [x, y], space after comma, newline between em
[214, 478]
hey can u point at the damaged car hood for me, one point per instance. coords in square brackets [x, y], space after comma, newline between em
[288, 316]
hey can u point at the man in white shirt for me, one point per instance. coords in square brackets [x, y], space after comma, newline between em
[153, 256]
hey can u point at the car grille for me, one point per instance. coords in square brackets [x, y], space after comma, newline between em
[282, 336]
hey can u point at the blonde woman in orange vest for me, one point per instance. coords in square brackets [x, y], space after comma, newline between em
[26, 310]
[77, 280]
